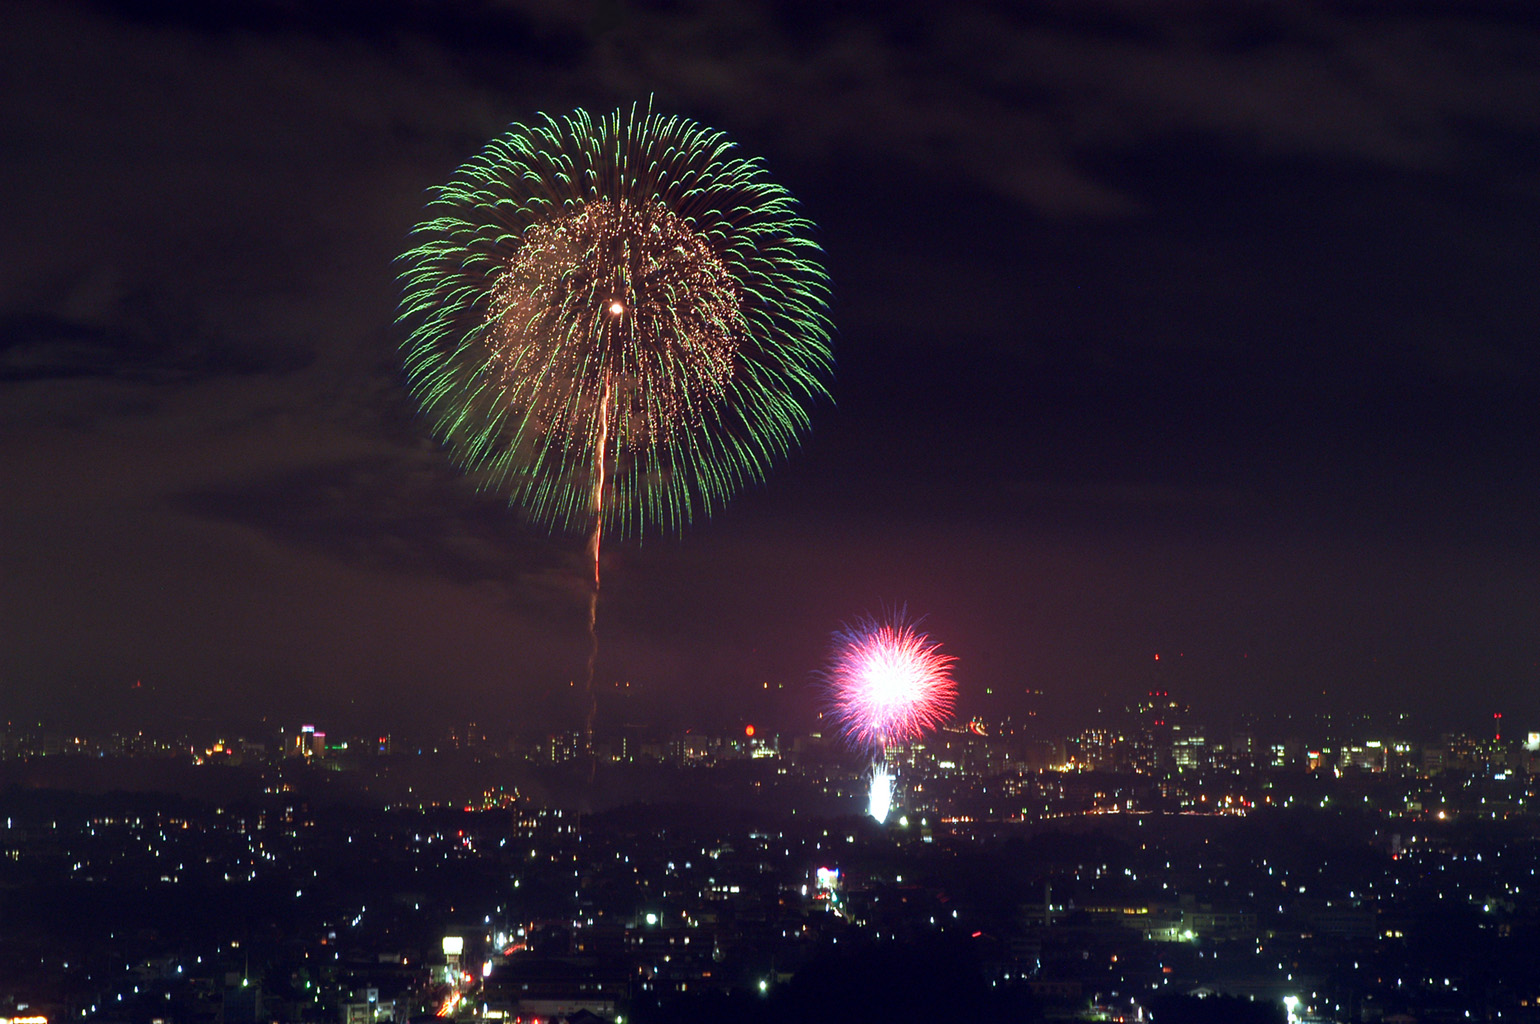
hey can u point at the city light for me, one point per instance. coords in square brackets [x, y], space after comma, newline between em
[710, 874]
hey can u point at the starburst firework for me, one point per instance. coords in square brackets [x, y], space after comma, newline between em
[888, 682]
[615, 322]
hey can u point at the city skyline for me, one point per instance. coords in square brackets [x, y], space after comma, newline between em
[1130, 873]
[1186, 350]
[308, 880]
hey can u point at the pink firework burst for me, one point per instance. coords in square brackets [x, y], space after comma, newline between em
[888, 682]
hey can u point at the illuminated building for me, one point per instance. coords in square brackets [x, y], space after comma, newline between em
[1369, 756]
[1189, 752]
[1159, 721]
[564, 746]
[1100, 749]
[372, 1008]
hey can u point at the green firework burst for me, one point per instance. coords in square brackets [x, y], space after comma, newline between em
[615, 321]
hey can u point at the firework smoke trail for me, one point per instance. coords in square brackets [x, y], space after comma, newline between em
[887, 683]
[590, 700]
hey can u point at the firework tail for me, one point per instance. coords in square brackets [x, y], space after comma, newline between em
[597, 504]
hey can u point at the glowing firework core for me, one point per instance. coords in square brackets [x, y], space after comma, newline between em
[599, 293]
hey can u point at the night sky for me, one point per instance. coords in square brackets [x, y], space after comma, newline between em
[1198, 330]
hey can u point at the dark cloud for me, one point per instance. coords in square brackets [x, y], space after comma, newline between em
[1014, 97]
[410, 516]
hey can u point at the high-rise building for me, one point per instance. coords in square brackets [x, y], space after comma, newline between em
[1158, 722]
[564, 746]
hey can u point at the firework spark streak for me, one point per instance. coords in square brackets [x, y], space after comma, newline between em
[879, 795]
